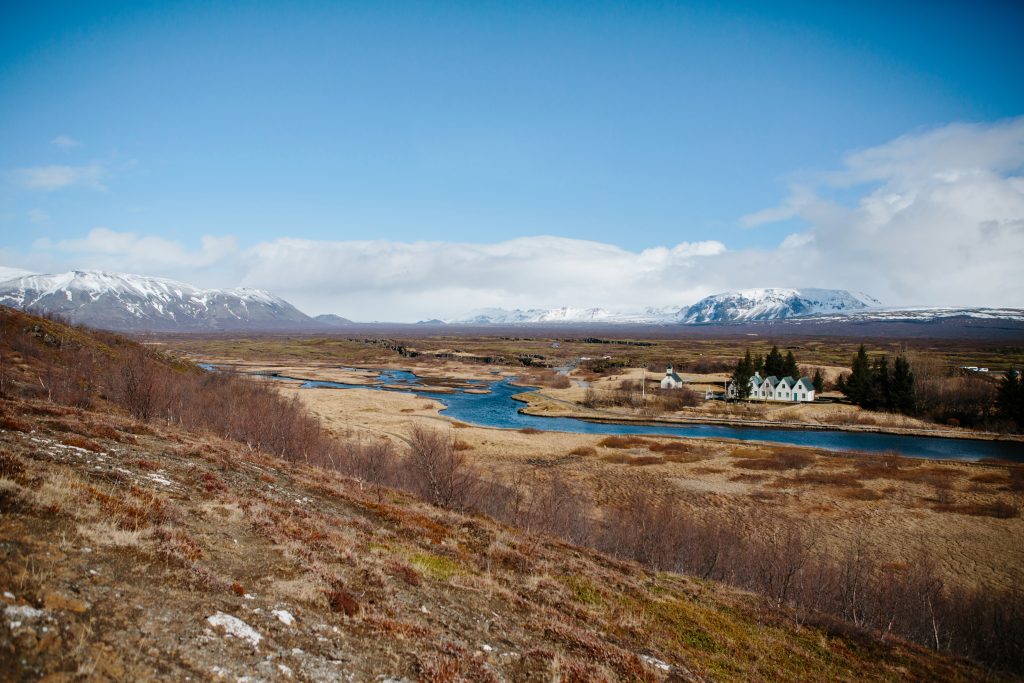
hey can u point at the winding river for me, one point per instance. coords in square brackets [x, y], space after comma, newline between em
[499, 409]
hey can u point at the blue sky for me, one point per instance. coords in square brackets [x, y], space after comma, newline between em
[634, 125]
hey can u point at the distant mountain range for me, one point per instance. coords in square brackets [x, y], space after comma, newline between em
[118, 301]
[740, 306]
[136, 303]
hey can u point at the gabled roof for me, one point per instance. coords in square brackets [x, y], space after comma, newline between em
[674, 377]
[772, 381]
[757, 380]
[787, 382]
[806, 383]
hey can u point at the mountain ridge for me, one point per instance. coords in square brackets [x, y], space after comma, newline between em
[740, 305]
[127, 302]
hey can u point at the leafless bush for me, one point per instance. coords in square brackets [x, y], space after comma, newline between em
[671, 400]
[439, 473]
[545, 378]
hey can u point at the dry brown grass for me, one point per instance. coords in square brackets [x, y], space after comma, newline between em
[998, 509]
[623, 442]
[79, 441]
[844, 479]
[784, 460]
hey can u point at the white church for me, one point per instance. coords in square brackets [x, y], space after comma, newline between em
[671, 380]
[774, 389]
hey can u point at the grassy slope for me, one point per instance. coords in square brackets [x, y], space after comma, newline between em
[120, 540]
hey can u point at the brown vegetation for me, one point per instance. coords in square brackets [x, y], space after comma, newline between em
[777, 560]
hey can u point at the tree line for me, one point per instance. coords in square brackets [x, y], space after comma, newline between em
[873, 385]
[964, 400]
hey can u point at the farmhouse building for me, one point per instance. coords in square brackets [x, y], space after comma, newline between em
[775, 389]
[671, 380]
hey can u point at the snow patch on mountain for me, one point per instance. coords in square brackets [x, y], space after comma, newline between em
[774, 303]
[743, 305]
[121, 301]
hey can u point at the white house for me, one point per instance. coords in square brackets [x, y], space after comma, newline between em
[774, 389]
[671, 380]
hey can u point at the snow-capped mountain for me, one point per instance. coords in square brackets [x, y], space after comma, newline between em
[744, 305]
[119, 301]
[774, 303]
[500, 316]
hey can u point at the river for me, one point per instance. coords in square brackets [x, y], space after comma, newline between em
[499, 409]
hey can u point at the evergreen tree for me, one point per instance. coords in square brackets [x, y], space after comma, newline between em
[819, 382]
[881, 395]
[904, 392]
[774, 364]
[1010, 398]
[859, 385]
[789, 366]
[742, 374]
[759, 363]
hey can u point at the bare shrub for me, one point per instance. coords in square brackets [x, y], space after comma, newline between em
[672, 400]
[439, 473]
[544, 378]
[340, 600]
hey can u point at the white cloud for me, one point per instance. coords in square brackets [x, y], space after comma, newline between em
[38, 216]
[65, 142]
[56, 177]
[407, 281]
[798, 199]
[939, 221]
[106, 249]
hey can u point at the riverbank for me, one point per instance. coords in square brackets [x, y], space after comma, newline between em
[542, 405]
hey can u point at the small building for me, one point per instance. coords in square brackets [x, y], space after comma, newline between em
[671, 380]
[773, 388]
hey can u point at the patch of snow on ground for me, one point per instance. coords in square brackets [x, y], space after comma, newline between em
[284, 616]
[233, 626]
[656, 663]
[163, 481]
[17, 613]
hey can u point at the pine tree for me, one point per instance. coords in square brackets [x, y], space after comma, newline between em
[742, 374]
[881, 395]
[819, 382]
[904, 392]
[789, 366]
[774, 363]
[859, 385]
[1010, 398]
[759, 363]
